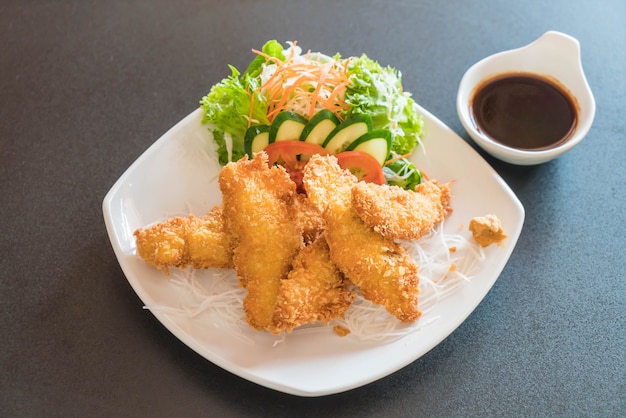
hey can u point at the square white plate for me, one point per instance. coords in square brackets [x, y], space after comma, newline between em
[177, 175]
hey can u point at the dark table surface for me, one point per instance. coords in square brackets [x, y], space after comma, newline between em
[86, 87]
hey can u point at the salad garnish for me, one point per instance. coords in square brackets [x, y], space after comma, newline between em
[286, 84]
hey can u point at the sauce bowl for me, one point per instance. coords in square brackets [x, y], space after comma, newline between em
[554, 56]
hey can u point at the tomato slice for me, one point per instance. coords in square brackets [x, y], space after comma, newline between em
[293, 155]
[292, 151]
[364, 166]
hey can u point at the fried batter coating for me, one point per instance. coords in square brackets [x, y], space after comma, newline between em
[401, 214]
[207, 241]
[264, 234]
[182, 241]
[382, 270]
[314, 291]
[308, 218]
[487, 230]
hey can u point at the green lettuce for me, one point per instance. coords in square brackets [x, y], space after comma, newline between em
[377, 91]
[373, 90]
[403, 173]
[271, 48]
[227, 105]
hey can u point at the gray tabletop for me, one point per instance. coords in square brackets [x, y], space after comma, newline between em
[86, 87]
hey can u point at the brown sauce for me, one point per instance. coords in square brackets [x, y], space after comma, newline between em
[524, 111]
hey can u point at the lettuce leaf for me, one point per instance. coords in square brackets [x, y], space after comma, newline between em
[373, 90]
[403, 173]
[377, 91]
[271, 48]
[226, 108]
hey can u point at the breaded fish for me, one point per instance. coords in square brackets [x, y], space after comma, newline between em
[398, 213]
[182, 241]
[308, 218]
[264, 234]
[383, 271]
[314, 291]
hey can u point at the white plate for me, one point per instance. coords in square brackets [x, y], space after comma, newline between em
[177, 175]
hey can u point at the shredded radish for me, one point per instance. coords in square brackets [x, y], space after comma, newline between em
[446, 262]
[442, 272]
[216, 302]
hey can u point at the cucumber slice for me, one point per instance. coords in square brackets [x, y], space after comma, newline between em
[319, 127]
[376, 143]
[347, 132]
[287, 125]
[256, 139]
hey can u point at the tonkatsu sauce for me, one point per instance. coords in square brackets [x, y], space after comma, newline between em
[524, 111]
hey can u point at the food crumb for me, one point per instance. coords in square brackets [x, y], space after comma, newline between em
[452, 268]
[487, 230]
[341, 331]
[452, 249]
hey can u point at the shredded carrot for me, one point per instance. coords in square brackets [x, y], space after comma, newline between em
[287, 93]
[393, 160]
[251, 109]
[320, 82]
[305, 84]
[332, 98]
[267, 57]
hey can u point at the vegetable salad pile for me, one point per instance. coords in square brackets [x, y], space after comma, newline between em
[367, 113]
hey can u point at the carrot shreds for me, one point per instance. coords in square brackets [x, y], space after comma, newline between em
[267, 57]
[252, 95]
[292, 51]
[304, 84]
[288, 90]
[332, 102]
[322, 78]
[392, 160]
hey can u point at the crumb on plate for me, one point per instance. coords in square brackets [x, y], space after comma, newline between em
[487, 230]
[341, 331]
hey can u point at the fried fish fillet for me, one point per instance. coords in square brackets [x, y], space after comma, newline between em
[383, 271]
[202, 242]
[181, 241]
[263, 231]
[308, 218]
[314, 291]
[398, 213]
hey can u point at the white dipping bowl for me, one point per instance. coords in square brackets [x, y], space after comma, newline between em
[554, 56]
